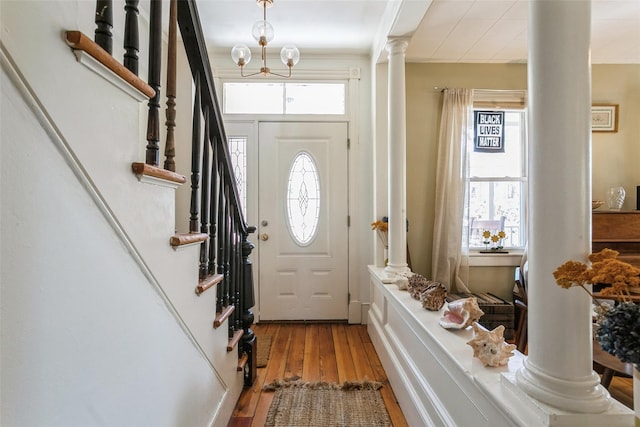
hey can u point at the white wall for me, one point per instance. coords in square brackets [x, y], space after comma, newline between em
[86, 339]
[100, 323]
[615, 155]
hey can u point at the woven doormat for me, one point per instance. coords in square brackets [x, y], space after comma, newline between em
[322, 404]
[264, 348]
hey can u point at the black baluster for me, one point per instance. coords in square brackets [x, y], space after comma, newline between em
[238, 269]
[213, 211]
[230, 297]
[155, 57]
[170, 147]
[205, 193]
[221, 204]
[104, 24]
[131, 36]
[196, 141]
[236, 274]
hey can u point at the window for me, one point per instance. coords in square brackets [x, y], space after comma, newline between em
[303, 199]
[498, 186]
[238, 151]
[284, 98]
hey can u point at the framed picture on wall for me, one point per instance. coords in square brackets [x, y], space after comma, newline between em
[604, 118]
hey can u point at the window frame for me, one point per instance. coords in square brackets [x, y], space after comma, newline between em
[283, 98]
[510, 101]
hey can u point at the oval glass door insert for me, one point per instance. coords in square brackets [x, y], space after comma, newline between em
[303, 199]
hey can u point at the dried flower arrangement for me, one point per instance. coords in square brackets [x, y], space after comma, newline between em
[382, 229]
[617, 327]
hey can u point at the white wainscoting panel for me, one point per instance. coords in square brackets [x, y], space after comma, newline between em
[438, 382]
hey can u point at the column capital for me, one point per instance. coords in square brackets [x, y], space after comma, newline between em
[397, 45]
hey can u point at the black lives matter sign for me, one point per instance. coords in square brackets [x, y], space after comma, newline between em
[489, 131]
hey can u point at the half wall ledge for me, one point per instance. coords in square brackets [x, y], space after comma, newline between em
[437, 382]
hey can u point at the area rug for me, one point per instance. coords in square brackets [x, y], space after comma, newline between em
[264, 348]
[322, 404]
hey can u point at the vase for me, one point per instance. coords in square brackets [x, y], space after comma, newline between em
[636, 394]
[615, 198]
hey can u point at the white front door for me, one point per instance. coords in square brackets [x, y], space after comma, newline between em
[303, 221]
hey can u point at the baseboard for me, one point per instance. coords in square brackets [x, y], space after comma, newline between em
[355, 312]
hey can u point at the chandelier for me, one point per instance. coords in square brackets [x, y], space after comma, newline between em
[263, 33]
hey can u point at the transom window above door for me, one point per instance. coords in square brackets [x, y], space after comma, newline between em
[284, 98]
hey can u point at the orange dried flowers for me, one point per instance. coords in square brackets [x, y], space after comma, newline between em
[605, 269]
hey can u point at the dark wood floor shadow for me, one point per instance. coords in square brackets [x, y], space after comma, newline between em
[314, 352]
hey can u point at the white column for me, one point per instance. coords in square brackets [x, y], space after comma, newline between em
[558, 370]
[397, 165]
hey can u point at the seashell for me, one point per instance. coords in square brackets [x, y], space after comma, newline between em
[417, 285]
[489, 346]
[434, 296]
[402, 283]
[461, 313]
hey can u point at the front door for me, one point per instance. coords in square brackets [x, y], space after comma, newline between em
[303, 221]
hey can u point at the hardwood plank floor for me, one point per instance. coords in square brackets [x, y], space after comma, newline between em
[313, 352]
[333, 353]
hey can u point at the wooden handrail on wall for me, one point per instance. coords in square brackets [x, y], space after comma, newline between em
[77, 40]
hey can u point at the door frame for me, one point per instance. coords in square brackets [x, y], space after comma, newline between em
[360, 244]
[249, 126]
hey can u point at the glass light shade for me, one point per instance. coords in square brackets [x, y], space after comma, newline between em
[241, 54]
[262, 29]
[290, 53]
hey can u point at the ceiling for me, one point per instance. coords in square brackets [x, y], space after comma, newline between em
[493, 31]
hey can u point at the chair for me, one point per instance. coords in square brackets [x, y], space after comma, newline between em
[478, 226]
[520, 311]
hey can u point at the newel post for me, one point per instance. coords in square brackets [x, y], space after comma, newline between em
[249, 340]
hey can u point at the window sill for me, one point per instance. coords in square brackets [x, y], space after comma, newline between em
[512, 259]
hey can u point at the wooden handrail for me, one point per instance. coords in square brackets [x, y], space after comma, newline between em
[195, 47]
[148, 170]
[187, 239]
[77, 40]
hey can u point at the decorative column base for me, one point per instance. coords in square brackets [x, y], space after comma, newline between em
[568, 395]
[397, 268]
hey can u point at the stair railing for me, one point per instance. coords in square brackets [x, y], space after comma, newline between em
[216, 218]
[221, 217]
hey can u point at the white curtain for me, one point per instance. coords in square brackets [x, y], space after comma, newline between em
[450, 263]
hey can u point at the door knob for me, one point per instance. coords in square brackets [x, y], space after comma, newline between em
[264, 237]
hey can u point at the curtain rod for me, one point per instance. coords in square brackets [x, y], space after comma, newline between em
[444, 88]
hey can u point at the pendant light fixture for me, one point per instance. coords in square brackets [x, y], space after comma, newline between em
[263, 33]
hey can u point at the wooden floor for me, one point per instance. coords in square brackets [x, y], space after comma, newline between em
[621, 389]
[333, 353]
[314, 352]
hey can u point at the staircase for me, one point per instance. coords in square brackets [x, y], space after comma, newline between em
[186, 306]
